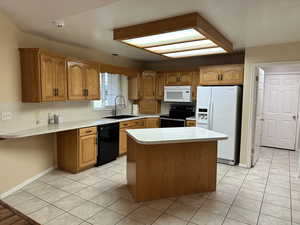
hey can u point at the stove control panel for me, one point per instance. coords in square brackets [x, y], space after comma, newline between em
[202, 117]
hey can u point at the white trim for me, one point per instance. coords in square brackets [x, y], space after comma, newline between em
[30, 180]
[282, 73]
[244, 165]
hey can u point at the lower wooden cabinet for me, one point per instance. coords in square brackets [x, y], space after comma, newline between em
[152, 122]
[191, 123]
[77, 149]
[134, 124]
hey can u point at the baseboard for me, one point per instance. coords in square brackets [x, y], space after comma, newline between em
[20, 186]
[244, 165]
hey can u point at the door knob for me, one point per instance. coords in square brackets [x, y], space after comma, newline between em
[294, 117]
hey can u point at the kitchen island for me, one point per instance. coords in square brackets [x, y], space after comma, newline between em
[169, 162]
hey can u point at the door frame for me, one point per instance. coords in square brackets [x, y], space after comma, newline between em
[254, 90]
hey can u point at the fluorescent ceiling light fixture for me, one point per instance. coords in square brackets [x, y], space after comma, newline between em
[182, 46]
[198, 52]
[165, 38]
[179, 36]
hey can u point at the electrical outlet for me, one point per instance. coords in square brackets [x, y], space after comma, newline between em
[6, 115]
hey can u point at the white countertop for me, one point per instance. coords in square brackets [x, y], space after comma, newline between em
[191, 118]
[174, 135]
[65, 126]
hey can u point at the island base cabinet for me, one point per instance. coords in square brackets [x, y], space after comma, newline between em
[170, 170]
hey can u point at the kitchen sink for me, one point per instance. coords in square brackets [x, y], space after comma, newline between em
[120, 117]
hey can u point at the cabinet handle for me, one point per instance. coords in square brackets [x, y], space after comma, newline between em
[88, 131]
[87, 92]
[54, 92]
[83, 92]
[57, 91]
[221, 76]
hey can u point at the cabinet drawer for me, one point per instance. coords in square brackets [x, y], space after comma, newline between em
[191, 123]
[87, 131]
[127, 124]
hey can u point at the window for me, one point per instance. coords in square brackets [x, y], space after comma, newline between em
[111, 86]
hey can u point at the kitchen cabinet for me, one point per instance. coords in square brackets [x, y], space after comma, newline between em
[83, 81]
[152, 122]
[160, 84]
[149, 106]
[148, 84]
[179, 78]
[43, 76]
[134, 88]
[77, 149]
[172, 78]
[222, 75]
[131, 124]
[195, 84]
[191, 123]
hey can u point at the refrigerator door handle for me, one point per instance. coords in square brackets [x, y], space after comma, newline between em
[211, 115]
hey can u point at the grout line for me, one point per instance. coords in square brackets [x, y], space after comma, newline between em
[262, 202]
[232, 203]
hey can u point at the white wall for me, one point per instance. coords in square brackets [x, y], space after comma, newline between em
[24, 158]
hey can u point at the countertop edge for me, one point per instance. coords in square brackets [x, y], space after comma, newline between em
[50, 129]
[178, 141]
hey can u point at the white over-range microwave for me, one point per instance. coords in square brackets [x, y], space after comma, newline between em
[178, 94]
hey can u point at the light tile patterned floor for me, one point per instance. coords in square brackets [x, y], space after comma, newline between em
[268, 194]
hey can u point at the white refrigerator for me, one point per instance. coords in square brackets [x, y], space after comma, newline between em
[219, 109]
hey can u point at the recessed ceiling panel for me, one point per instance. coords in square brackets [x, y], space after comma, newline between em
[165, 38]
[208, 51]
[182, 46]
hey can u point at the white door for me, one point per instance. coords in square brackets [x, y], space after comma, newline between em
[224, 119]
[280, 111]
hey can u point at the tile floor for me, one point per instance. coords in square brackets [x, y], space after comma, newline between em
[268, 194]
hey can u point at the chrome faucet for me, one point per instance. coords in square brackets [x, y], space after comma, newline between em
[122, 99]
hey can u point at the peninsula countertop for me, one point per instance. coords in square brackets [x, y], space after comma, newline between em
[48, 129]
[152, 136]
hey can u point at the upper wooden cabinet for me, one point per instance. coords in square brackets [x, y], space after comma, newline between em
[179, 78]
[134, 88]
[83, 81]
[222, 75]
[148, 84]
[160, 84]
[43, 76]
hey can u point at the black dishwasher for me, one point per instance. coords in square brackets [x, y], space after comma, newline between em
[108, 143]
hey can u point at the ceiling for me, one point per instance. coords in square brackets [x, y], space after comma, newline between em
[90, 23]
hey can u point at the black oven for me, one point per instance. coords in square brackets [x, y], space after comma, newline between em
[169, 122]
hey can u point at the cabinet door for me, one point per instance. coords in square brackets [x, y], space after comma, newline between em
[172, 78]
[87, 151]
[160, 84]
[190, 123]
[76, 80]
[195, 84]
[232, 74]
[152, 123]
[210, 75]
[186, 78]
[148, 81]
[48, 71]
[92, 83]
[149, 106]
[133, 88]
[61, 80]
[123, 141]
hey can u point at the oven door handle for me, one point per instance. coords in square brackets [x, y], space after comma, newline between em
[173, 119]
